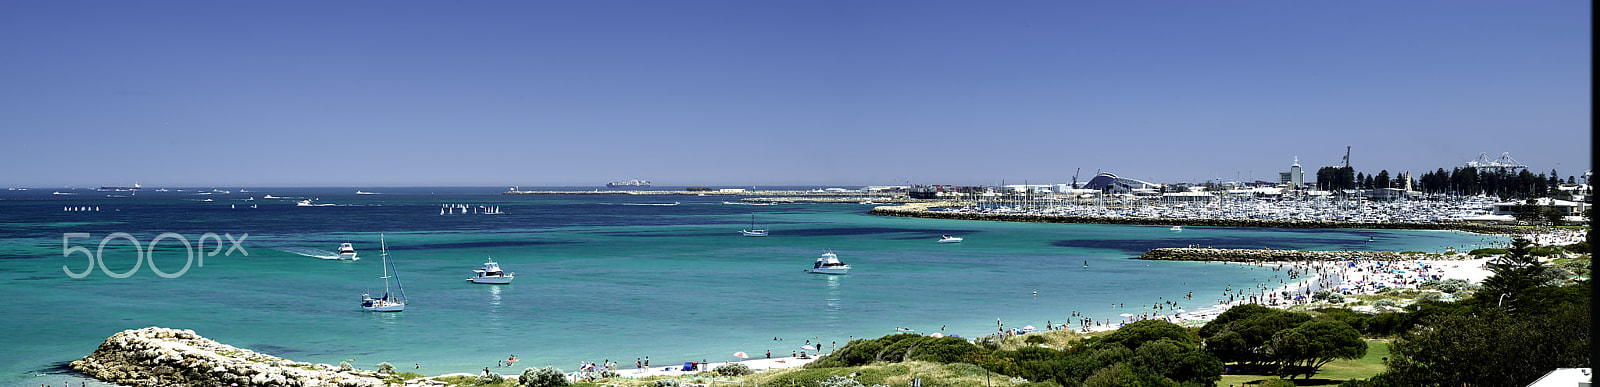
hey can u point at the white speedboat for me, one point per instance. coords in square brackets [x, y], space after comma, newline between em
[1177, 228]
[347, 252]
[829, 264]
[491, 274]
[387, 303]
[753, 231]
[949, 239]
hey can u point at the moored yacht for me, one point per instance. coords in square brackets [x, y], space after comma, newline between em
[829, 264]
[753, 231]
[491, 274]
[387, 303]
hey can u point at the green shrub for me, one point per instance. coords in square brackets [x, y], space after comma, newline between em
[1384, 304]
[1275, 382]
[664, 383]
[489, 378]
[345, 366]
[966, 369]
[1139, 332]
[542, 377]
[732, 369]
[1328, 296]
[840, 381]
[385, 368]
[1429, 297]
[1487, 252]
[942, 350]
[1034, 339]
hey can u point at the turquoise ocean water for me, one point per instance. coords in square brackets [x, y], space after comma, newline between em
[599, 277]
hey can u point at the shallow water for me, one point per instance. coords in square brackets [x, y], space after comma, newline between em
[600, 277]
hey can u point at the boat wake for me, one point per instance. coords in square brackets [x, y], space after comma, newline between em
[310, 252]
[749, 204]
[649, 204]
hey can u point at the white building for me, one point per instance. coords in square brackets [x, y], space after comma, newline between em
[1294, 177]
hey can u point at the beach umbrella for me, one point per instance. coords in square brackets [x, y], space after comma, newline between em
[937, 335]
[741, 355]
[1028, 328]
[808, 348]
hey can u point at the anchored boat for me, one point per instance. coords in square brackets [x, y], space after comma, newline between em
[491, 274]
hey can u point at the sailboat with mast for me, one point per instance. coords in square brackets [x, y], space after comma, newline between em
[387, 303]
[753, 231]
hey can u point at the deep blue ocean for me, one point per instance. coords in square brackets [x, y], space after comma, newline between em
[599, 277]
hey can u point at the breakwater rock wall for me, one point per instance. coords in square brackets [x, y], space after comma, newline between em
[924, 210]
[169, 357]
[1262, 255]
[848, 199]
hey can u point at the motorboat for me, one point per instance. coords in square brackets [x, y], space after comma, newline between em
[387, 303]
[829, 263]
[949, 239]
[1177, 228]
[491, 274]
[347, 252]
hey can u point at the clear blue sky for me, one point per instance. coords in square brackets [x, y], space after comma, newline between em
[402, 93]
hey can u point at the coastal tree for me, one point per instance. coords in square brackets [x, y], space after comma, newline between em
[1491, 348]
[1139, 332]
[1516, 276]
[1241, 334]
[1304, 349]
[1382, 180]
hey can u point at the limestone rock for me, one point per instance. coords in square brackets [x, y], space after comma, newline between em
[169, 357]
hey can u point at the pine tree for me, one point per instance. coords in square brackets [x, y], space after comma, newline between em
[1516, 276]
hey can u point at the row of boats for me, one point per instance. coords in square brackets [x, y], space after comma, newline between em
[491, 273]
[396, 301]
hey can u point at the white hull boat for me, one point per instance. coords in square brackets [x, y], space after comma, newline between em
[829, 264]
[347, 252]
[753, 231]
[491, 274]
[387, 303]
[949, 239]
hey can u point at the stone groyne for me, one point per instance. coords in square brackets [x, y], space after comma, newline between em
[169, 357]
[849, 199]
[707, 193]
[1263, 255]
[924, 210]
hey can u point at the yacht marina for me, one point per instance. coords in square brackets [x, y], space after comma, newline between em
[1433, 209]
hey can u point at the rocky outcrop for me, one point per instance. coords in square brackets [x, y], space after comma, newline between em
[1263, 255]
[170, 357]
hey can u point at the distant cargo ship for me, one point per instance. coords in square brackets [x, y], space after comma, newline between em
[135, 187]
[629, 183]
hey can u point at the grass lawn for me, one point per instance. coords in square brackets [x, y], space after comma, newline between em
[1332, 374]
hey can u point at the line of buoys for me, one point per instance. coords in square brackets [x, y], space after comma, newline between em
[81, 209]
